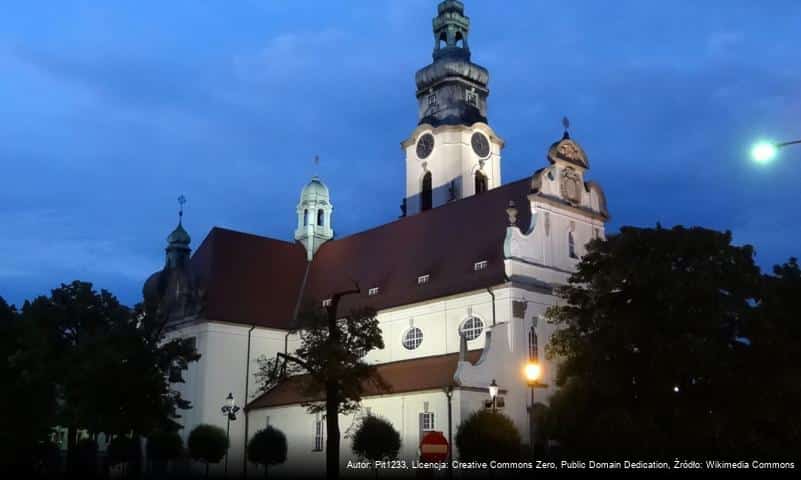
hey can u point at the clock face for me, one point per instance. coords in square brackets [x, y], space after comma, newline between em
[424, 145]
[480, 144]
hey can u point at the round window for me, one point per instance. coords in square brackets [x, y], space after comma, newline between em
[472, 328]
[412, 338]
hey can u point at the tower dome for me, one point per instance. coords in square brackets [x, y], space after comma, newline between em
[172, 290]
[179, 236]
[314, 216]
[315, 189]
[452, 90]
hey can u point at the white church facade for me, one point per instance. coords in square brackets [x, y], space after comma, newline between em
[460, 282]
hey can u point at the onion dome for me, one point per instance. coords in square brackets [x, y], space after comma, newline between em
[172, 289]
[179, 236]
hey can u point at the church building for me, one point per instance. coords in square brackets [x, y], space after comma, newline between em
[460, 282]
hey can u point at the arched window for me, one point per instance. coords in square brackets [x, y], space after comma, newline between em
[533, 345]
[425, 192]
[472, 328]
[305, 217]
[412, 338]
[320, 217]
[571, 245]
[481, 182]
[443, 41]
[459, 40]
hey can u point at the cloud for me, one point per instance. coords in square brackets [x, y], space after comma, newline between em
[288, 55]
[39, 241]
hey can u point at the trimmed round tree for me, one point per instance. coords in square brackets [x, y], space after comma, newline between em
[122, 449]
[86, 456]
[376, 439]
[486, 435]
[207, 443]
[267, 448]
[162, 447]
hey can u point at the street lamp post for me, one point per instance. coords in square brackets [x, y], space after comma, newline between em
[493, 391]
[449, 394]
[229, 410]
[533, 373]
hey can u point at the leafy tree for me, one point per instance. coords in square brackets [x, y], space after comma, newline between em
[376, 439]
[91, 341]
[27, 387]
[122, 449]
[773, 369]
[163, 446]
[649, 340]
[488, 435]
[85, 457]
[267, 448]
[207, 443]
[331, 358]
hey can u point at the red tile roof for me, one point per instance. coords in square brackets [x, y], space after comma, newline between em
[256, 280]
[426, 373]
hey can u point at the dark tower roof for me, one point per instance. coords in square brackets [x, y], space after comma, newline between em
[452, 90]
[172, 290]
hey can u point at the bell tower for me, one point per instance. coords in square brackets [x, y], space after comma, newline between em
[314, 216]
[453, 153]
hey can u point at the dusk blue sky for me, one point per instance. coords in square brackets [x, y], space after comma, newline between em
[110, 110]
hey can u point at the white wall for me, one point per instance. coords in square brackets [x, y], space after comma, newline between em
[402, 411]
[452, 158]
[220, 370]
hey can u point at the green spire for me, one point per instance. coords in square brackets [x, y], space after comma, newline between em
[450, 31]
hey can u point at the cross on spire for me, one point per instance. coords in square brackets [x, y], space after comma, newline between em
[181, 202]
[566, 124]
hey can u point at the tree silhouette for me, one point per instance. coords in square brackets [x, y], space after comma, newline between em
[89, 342]
[488, 435]
[376, 439]
[208, 444]
[163, 446]
[649, 343]
[267, 448]
[331, 360]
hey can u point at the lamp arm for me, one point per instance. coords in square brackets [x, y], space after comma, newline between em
[784, 144]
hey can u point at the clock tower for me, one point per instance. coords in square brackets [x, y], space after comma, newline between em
[453, 153]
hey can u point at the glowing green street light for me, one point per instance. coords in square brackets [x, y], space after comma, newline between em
[764, 152]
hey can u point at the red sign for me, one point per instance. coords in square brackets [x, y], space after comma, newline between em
[434, 447]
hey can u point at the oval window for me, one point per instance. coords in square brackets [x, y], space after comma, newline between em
[412, 338]
[472, 328]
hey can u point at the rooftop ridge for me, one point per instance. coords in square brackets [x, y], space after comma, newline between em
[461, 201]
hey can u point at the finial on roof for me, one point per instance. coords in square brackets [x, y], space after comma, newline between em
[181, 202]
[566, 124]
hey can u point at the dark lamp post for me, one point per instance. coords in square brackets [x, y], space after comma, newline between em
[532, 371]
[230, 410]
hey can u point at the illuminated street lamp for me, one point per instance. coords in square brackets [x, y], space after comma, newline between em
[493, 391]
[532, 371]
[230, 410]
[764, 152]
